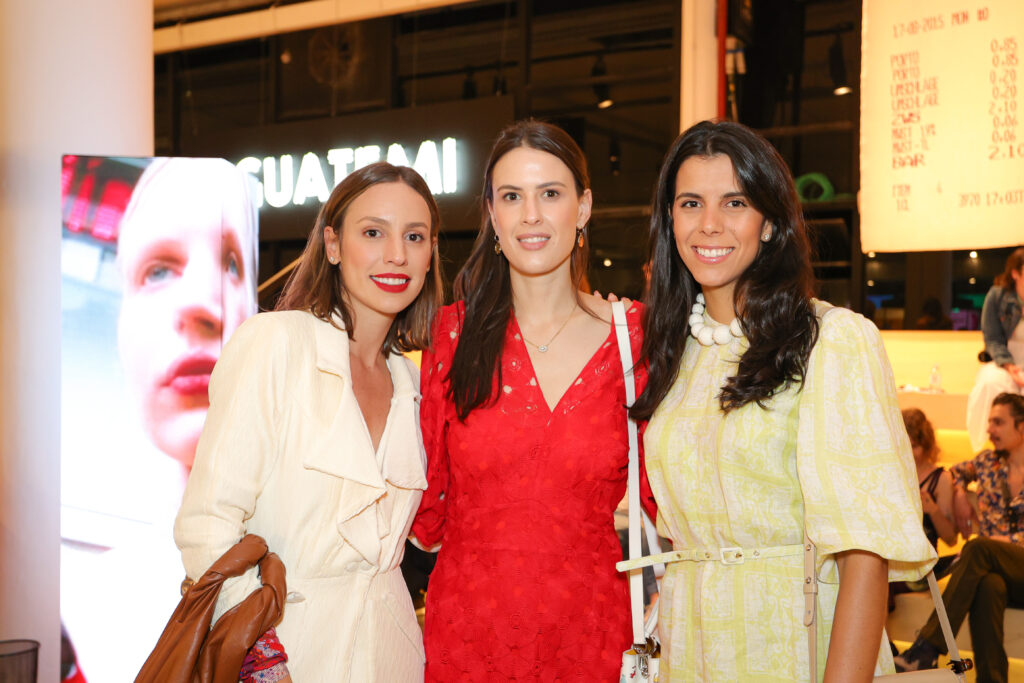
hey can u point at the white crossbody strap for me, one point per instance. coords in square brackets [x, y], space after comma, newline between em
[636, 586]
[811, 609]
[940, 611]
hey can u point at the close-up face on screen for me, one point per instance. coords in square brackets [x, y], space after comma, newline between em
[159, 268]
[187, 275]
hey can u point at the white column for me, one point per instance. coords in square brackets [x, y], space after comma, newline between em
[698, 74]
[75, 77]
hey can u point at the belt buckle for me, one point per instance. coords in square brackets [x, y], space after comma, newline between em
[733, 555]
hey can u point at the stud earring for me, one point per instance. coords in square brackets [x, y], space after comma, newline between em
[766, 235]
[579, 236]
[497, 245]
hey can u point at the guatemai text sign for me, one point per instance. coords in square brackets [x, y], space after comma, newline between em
[281, 186]
[298, 162]
[942, 145]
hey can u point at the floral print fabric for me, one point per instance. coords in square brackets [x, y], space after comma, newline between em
[266, 661]
[522, 500]
[996, 515]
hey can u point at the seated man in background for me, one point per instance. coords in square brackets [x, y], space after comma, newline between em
[990, 572]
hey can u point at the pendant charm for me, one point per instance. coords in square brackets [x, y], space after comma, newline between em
[543, 348]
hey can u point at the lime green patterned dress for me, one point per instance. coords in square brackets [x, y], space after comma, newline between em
[836, 447]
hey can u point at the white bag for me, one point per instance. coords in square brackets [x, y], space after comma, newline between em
[639, 668]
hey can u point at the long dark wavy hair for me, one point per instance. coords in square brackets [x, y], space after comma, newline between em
[484, 283]
[773, 295]
[315, 284]
[1014, 262]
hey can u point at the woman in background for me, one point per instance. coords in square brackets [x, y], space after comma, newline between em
[771, 414]
[935, 482]
[525, 429]
[312, 438]
[1004, 344]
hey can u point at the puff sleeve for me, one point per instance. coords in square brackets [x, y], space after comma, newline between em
[428, 527]
[236, 452]
[854, 462]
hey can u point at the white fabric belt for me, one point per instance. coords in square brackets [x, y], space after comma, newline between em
[733, 555]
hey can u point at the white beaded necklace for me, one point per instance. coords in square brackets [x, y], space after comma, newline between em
[707, 335]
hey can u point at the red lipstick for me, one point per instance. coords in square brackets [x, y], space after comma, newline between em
[391, 282]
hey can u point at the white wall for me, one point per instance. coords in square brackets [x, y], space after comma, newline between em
[75, 77]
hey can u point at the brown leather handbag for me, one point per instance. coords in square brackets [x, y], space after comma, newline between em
[188, 651]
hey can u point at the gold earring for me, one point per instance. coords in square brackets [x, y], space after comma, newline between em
[579, 236]
[497, 245]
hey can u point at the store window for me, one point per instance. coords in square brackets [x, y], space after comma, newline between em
[607, 72]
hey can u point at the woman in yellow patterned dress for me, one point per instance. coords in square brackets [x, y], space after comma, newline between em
[770, 412]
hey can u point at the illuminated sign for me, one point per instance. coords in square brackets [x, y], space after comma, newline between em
[281, 186]
[941, 151]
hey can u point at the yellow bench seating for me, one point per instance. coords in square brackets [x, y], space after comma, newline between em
[954, 446]
[912, 355]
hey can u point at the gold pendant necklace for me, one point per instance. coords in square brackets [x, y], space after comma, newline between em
[543, 348]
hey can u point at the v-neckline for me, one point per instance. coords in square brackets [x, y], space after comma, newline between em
[517, 335]
[376, 450]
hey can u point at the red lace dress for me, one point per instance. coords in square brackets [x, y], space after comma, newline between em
[522, 499]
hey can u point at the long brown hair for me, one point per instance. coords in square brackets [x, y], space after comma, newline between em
[1015, 261]
[316, 285]
[484, 283]
[921, 433]
[772, 296]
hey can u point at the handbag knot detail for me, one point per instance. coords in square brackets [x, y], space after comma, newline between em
[188, 650]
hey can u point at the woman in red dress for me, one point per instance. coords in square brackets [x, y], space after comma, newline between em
[525, 431]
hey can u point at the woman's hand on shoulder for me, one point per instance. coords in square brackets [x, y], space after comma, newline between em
[612, 298]
[602, 304]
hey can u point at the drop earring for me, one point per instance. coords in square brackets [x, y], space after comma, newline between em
[579, 236]
[497, 244]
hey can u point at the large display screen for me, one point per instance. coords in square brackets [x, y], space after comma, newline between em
[942, 140]
[158, 261]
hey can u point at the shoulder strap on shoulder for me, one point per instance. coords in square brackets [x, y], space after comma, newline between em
[625, 350]
[931, 482]
[821, 308]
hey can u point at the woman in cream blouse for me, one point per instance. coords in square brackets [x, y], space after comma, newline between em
[312, 438]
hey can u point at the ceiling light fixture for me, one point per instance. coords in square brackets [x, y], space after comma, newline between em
[837, 68]
[601, 90]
